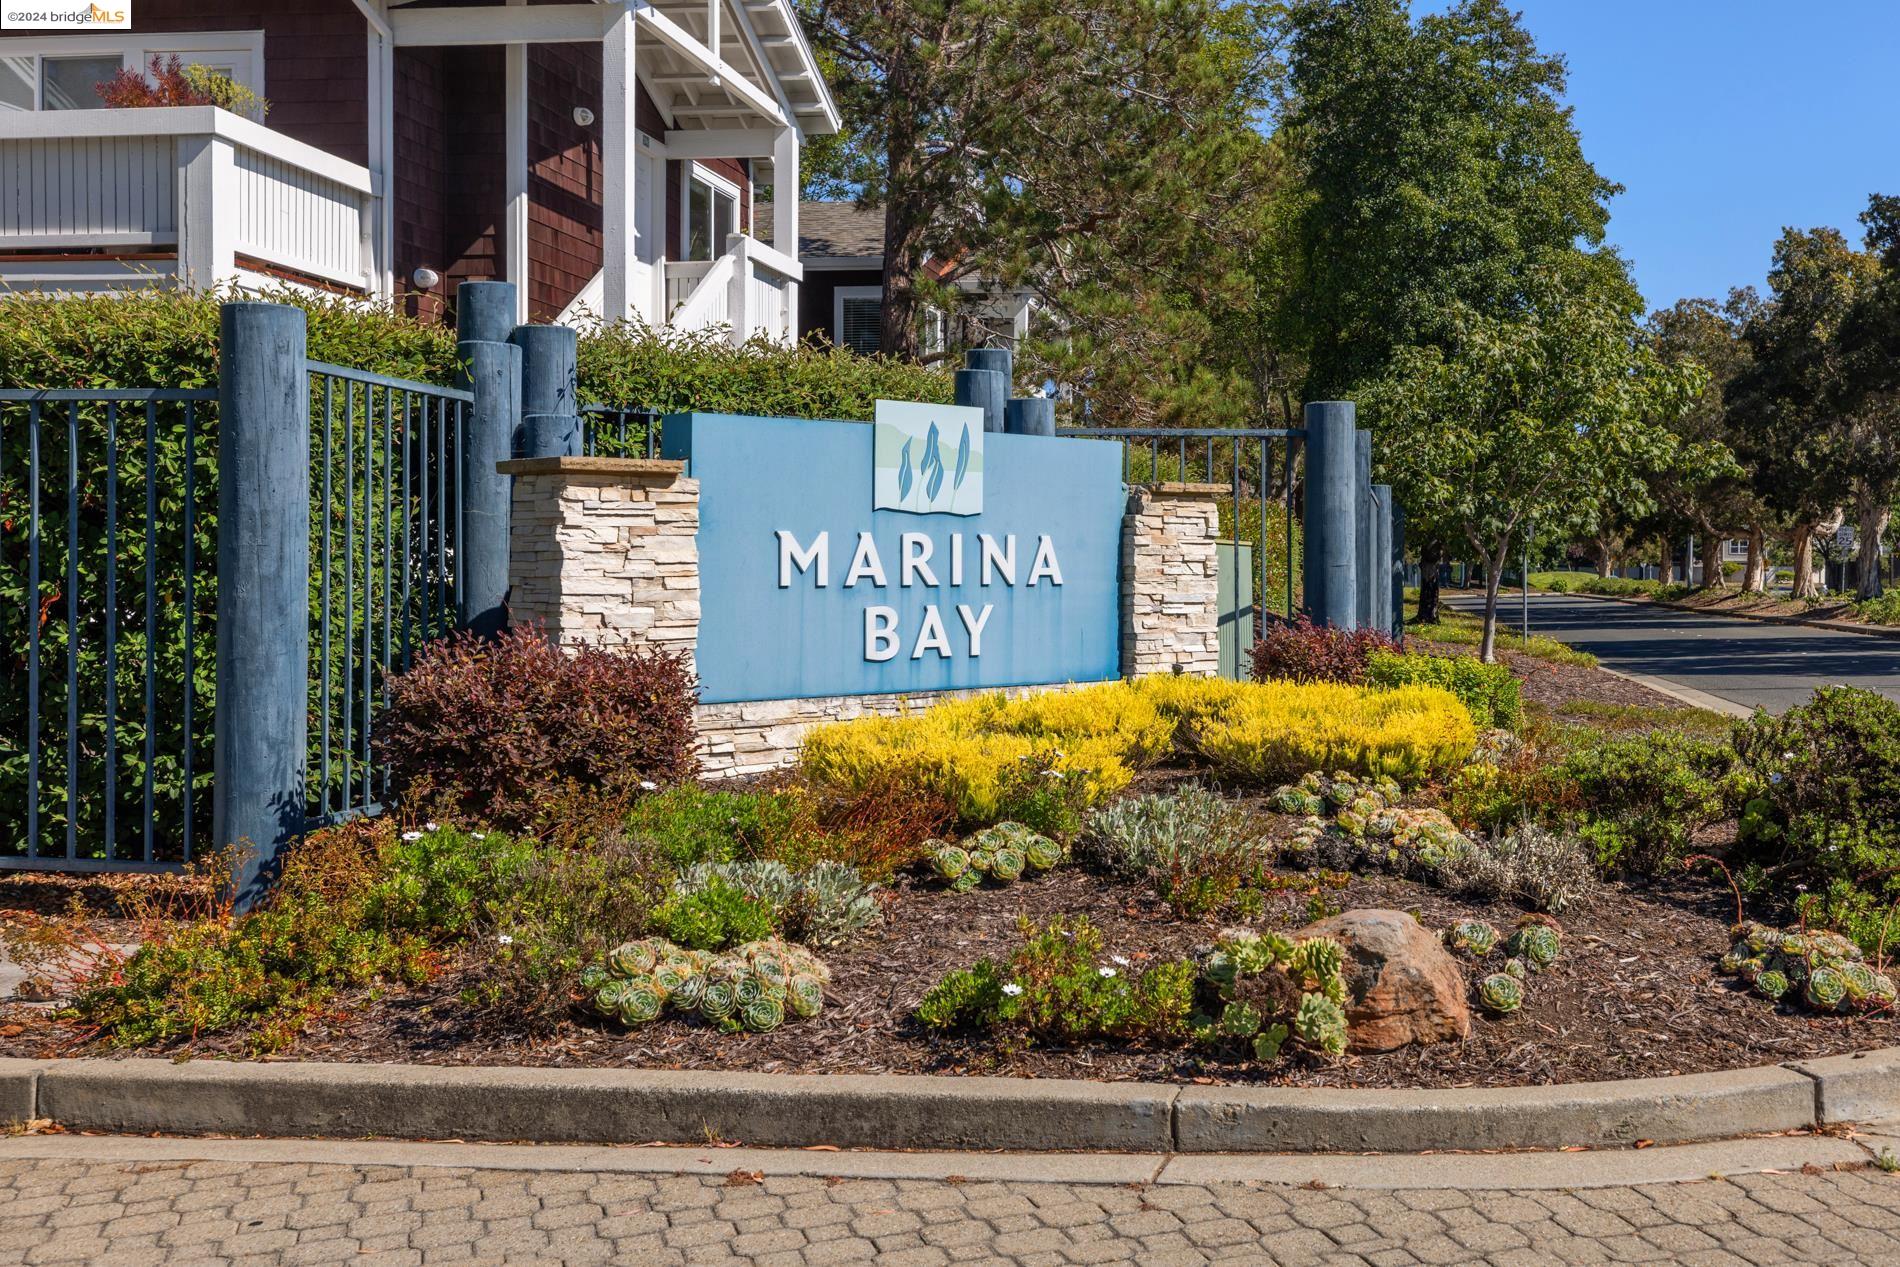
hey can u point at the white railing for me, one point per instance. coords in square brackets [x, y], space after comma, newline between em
[223, 196]
[750, 290]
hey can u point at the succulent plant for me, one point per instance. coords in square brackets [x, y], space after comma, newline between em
[1473, 937]
[1858, 977]
[1825, 990]
[1240, 1020]
[641, 1000]
[1267, 1043]
[1321, 1022]
[1297, 800]
[1516, 969]
[1041, 853]
[718, 1001]
[763, 1014]
[947, 860]
[1501, 993]
[1535, 943]
[805, 995]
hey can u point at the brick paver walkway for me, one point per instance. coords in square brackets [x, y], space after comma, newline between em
[181, 1212]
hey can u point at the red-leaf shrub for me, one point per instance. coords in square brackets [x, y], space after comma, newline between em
[522, 735]
[163, 84]
[1301, 651]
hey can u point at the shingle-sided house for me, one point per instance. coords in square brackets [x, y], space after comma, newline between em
[604, 157]
[842, 248]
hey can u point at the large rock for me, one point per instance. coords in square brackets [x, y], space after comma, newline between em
[1402, 986]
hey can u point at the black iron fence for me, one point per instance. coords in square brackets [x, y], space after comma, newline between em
[608, 431]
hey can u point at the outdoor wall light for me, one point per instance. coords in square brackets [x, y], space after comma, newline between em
[583, 116]
[425, 278]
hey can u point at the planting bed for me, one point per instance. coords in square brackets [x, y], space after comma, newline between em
[1634, 995]
[1636, 992]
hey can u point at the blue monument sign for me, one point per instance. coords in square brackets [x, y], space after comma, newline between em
[917, 553]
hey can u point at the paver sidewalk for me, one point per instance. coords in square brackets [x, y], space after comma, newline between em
[115, 1211]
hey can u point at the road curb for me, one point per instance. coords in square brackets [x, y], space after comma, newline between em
[615, 1106]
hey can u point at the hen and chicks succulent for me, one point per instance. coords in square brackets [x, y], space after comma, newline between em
[1004, 854]
[1821, 970]
[751, 987]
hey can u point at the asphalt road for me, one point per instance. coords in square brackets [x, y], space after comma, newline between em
[1746, 662]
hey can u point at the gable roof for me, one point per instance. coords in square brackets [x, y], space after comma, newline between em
[831, 230]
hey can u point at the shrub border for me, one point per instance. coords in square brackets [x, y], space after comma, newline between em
[1766, 618]
[145, 1096]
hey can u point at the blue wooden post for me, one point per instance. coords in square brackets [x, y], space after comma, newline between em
[550, 391]
[1002, 360]
[1362, 530]
[263, 637]
[1030, 416]
[986, 390]
[1380, 578]
[490, 367]
[1331, 540]
[1398, 570]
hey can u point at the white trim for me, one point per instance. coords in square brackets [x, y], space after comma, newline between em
[514, 247]
[720, 143]
[838, 296]
[536, 24]
[136, 50]
[184, 121]
[718, 185]
[728, 78]
[620, 167]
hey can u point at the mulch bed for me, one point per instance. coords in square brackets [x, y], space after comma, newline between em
[1634, 995]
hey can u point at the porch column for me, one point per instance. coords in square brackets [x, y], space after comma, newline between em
[787, 180]
[514, 249]
[619, 161]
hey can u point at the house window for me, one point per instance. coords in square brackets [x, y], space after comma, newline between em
[43, 73]
[712, 213]
[856, 318]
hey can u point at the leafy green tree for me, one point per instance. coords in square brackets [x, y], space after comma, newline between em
[1809, 452]
[1441, 173]
[1547, 415]
[1705, 487]
[1870, 391]
[1088, 152]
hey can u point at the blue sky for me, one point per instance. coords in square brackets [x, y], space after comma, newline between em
[1727, 119]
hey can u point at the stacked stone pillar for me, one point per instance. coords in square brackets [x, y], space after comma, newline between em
[1171, 580]
[605, 551]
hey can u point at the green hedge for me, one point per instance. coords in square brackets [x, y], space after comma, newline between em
[1488, 691]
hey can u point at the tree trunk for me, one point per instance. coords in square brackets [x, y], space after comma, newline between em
[1873, 513]
[1802, 539]
[1606, 562]
[1755, 571]
[1667, 574]
[906, 217]
[1493, 576]
[1713, 568]
[1430, 555]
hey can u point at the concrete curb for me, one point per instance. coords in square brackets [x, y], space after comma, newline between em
[609, 1106]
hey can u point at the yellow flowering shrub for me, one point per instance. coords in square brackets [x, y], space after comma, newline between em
[994, 756]
[1280, 730]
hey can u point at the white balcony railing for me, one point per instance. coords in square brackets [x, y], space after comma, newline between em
[750, 290]
[92, 198]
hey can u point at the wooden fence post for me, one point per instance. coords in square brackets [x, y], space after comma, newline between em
[263, 636]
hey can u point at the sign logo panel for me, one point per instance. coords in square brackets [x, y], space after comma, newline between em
[823, 572]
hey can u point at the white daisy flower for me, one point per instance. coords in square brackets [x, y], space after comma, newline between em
[648, 785]
[1012, 989]
[505, 940]
[1120, 960]
[412, 835]
[1106, 972]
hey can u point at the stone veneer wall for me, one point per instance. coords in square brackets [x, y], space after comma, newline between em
[755, 736]
[605, 551]
[1171, 580]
